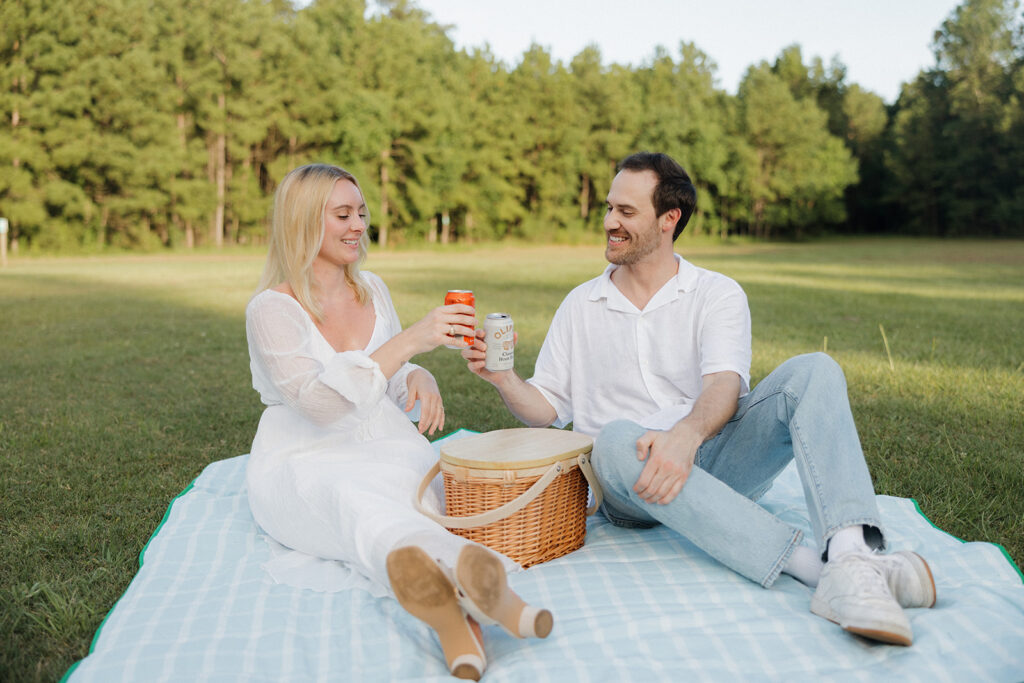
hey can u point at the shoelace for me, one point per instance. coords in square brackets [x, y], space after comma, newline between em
[866, 573]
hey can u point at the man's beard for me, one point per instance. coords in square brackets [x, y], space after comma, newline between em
[634, 250]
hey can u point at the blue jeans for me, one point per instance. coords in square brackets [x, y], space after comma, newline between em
[800, 411]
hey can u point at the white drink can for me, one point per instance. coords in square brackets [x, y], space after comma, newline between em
[500, 339]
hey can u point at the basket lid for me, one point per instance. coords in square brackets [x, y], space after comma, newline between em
[515, 448]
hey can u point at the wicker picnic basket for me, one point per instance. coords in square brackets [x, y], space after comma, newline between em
[521, 492]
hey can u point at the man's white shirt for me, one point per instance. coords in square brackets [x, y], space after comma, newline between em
[604, 359]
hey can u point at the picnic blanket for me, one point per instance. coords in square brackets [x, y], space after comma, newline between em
[631, 605]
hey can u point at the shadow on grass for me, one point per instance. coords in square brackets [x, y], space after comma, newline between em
[111, 402]
[964, 467]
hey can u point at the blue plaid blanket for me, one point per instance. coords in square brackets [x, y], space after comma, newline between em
[642, 605]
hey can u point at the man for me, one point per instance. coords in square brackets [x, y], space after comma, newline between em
[653, 359]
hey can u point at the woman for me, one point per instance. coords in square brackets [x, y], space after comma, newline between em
[335, 460]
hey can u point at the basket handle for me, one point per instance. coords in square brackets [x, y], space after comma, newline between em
[511, 507]
[583, 460]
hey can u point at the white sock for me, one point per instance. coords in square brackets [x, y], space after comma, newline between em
[804, 565]
[847, 540]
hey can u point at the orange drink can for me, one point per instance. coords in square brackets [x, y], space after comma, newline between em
[461, 296]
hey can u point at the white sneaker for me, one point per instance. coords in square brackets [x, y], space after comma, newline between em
[909, 577]
[854, 593]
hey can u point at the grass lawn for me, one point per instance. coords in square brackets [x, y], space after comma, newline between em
[121, 378]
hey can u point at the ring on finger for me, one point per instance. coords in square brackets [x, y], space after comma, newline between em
[451, 330]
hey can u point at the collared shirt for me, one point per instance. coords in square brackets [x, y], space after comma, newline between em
[605, 359]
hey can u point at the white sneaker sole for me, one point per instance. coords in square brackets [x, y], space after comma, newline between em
[886, 631]
[924, 574]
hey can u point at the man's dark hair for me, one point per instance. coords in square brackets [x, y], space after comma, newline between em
[674, 189]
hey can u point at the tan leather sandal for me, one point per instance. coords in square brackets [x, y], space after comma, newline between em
[424, 590]
[484, 593]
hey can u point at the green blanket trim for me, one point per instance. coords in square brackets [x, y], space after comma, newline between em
[1001, 548]
[167, 514]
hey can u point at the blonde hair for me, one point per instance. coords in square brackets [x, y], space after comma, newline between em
[297, 233]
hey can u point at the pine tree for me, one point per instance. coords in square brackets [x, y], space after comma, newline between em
[608, 100]
[954, 153]
[802, 170]
[683, 116]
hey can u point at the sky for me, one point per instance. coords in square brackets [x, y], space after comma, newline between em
[882, 43]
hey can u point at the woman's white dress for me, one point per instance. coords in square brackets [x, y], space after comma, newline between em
[335, 461]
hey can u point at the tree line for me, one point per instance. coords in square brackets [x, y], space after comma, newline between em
[149, 123]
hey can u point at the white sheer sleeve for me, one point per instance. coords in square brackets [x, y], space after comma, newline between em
[286, 369]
